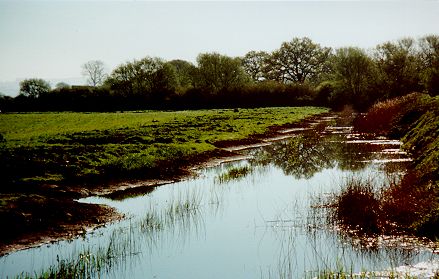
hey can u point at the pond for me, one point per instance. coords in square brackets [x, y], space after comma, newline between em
[253, 218]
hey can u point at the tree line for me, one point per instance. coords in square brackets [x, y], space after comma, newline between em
[299, 72]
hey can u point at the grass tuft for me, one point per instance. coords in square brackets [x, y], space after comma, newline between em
[358, 207]
[234, 173]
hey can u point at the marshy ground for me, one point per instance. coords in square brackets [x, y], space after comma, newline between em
[50, 159]
[257, 217]
[297, 159]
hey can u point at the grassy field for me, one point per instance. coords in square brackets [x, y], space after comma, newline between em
[71, 147]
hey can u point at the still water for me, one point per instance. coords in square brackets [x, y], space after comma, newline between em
[262, 222]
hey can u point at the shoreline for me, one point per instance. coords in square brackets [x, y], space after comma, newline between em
[226, 151]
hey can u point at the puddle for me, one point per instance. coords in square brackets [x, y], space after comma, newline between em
[259, 225]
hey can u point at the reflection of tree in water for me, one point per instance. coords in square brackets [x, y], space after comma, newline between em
[352, 157]
[304, 155]
[301, 156]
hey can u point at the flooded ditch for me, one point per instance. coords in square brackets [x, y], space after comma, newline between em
[258, 217]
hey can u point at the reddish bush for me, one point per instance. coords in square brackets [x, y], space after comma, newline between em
[409, 203]
[382, 117]
[357, 207]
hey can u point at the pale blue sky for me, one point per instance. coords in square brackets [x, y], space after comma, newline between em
[51, 39]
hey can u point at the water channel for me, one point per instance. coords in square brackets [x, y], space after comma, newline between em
[261, 222]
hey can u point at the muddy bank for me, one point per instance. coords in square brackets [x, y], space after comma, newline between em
[50, 213]
[33, 220]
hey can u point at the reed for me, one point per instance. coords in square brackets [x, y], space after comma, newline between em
[125, 242]
[357, 207]
[91, 263]
[234, 173]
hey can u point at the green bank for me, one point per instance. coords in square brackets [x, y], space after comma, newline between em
[86, 147]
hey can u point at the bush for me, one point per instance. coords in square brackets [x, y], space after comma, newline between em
[407, 206]
[358, 207]
[413, 204]
[381, 116]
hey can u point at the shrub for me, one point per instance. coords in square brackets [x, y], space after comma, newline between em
[407, 206]
[411, 205]
[358, 207]
[382, 115]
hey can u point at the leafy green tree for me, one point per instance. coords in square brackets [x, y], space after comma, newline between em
[185, 74]
[218, 72]
[299, 60]
[122, 79]
[95, 72]
[429, 55]
[255, 65]
[354, 74]
[34, 87]
[5, 104]
[62, 85]
[398, 65]
[142, 77]
[163, 82]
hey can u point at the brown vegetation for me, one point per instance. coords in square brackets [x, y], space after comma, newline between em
[412, 204]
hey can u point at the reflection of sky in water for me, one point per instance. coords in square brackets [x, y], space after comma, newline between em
[253, 227]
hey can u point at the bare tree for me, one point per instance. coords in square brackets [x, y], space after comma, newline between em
[94, 71]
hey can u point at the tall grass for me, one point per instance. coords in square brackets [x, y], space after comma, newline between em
[180, 216]
[366, 208]
[412, 205]
[381, 117]
[90, 262]
[234, 173]
[357, 206]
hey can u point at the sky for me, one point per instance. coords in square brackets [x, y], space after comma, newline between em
[52, 39]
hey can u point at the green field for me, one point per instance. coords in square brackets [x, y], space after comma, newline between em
[69, 147]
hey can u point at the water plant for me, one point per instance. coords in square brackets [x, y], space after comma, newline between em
[151, 222]
[343, 273]
[357, 206]
[234, 173]
[179, 216]
[91, 262]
